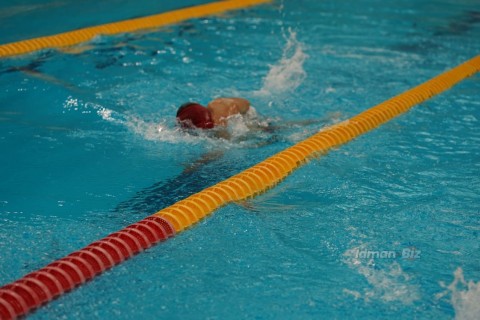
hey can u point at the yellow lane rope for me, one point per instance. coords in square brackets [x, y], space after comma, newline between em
[154, 21]
[269, 172]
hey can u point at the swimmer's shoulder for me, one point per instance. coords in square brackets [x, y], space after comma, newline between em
[233, 104]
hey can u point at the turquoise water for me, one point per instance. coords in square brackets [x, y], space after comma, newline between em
[89, 145]
[25, 19]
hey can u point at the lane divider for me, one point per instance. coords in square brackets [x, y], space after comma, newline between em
[71, 38]
[41, 286]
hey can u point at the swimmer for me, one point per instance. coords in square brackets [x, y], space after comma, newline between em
[192, 115]
[216, 114]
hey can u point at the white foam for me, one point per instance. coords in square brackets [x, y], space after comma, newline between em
[388, 283]
[288, 73]
[239, 129]
[151, 130]
[465, 296]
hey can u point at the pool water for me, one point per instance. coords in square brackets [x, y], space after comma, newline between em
[385, 226]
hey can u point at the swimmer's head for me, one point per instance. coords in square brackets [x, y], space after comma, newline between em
[193, 115]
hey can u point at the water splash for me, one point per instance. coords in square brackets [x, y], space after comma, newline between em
[464, 296]
[150, 130]
[288, 73]
[389, 283]
[242, 131]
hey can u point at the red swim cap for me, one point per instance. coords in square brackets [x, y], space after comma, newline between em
[192, 114]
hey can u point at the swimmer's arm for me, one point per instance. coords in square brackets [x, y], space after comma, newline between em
[203, 160]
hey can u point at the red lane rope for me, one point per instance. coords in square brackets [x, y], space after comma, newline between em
[41, 286]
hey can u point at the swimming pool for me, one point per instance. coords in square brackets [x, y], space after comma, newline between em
[91, 147]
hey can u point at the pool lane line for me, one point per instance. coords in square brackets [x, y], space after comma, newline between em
[42, 286]
[71, 38]
[60, 276]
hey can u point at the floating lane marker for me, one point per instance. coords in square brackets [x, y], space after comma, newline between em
[41, 286]
[71, 38]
